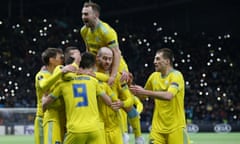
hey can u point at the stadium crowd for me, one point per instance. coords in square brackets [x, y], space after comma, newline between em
[208, 62]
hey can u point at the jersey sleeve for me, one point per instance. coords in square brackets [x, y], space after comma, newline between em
[110, 92]
[111, 38]
[83, 32]
[101, 76]
[69, 75]
[100, 89]
[175, 83]
[56, 91]
[138, 104]
[123, 65]
[45, 84]
[40, 79]
[83, 35]
[128, 100]
[148, 84]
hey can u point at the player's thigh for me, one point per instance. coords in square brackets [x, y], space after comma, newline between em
[95, 138]
[114, 136]
[102, 129]
[85, 138]
[157, 138]
[179, 136]
[38, 130]
[75, 138]
[123, 116]
[52, 133]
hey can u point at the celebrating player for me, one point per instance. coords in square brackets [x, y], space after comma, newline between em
[97, 34]
[80, 98]
[44, 79]
[104, 62]
[166, 86]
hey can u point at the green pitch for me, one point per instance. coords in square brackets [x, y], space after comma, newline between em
[196, 138]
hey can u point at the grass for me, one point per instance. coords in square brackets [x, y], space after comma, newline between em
[196, 138]
[215, 138]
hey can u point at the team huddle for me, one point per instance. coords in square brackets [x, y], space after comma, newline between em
[89, 98]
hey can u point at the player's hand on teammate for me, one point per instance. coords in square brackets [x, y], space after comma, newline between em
[124, 76]
[139, 91]
[111, 80]
[130, 79]
[69, 68]
[90, 73]
[117, 105]
[136, 89]
[44, 99]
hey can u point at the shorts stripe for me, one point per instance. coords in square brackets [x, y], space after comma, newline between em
[41, 131]
[185, 137]
[50, 130]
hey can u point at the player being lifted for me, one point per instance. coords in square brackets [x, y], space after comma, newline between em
[97, 34]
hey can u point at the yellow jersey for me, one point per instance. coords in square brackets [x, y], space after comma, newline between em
[109, 117]
[55, 111]
[80, 97]
[120, 89]
[40, 79]
[102, 36]
[43, 81]
[168, 115]
[138, 104]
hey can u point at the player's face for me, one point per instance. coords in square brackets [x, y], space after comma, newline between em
[88, 16]
[160, 63]
[76, 55]
[105, 61]
[58, 60]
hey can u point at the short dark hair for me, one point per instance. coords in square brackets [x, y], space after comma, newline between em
[94, 6]
[50, 53]
[67, 54]
[167, 54]
[88, 60]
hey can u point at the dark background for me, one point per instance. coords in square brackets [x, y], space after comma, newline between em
[181, 15]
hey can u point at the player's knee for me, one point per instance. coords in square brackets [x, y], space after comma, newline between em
[132, 113]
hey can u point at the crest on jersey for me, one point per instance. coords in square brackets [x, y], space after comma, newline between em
[97, 39]
[154, 82]
[166, 82]
[40, 77]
